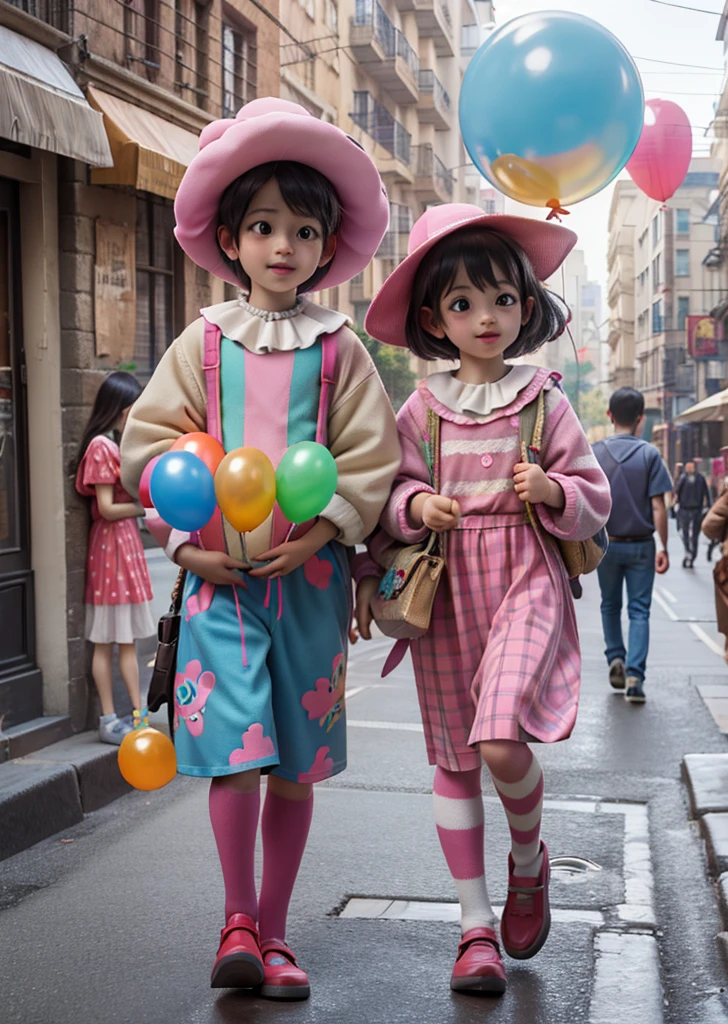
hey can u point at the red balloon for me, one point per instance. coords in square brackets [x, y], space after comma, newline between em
[204, 446]
[662, 156]
[145, 498]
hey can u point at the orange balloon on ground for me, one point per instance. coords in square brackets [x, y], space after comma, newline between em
[147, 759]
[245, 488]
[204, 446]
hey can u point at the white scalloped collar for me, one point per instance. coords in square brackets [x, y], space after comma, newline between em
[261, 336]
[479, 400]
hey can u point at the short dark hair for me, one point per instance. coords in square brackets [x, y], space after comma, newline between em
[118, 391]
[479, 249]
[305, 192]
[626, 405]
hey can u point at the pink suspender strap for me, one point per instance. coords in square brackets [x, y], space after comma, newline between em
[211, 366]
[328, 381]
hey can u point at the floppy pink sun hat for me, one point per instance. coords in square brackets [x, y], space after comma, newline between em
[268, 130]
[546, 245]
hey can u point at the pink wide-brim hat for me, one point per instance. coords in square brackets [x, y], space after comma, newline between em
[268, 130]
[546, 245]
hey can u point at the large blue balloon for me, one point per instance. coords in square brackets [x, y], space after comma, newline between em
[551, 108]
[183, 491]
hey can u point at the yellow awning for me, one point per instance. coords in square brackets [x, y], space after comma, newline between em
[710, 410]
[149, 153]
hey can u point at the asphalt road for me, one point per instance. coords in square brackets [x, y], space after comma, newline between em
[116, 921]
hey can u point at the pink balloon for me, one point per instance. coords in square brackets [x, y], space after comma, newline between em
[662, 156]
[145, 498]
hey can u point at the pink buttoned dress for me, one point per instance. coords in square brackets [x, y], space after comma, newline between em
[118, 589]
[501, 659]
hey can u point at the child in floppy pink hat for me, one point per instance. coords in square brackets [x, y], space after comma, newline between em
[499, 666]
[278, 203]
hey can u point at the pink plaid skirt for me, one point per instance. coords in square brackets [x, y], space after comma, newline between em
[501, 658]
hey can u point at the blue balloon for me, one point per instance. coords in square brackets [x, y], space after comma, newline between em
[551, 108]
[183, 491]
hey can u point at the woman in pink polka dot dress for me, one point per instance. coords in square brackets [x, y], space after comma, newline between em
[118, 588]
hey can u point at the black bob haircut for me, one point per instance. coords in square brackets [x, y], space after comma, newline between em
[626, 405]
[480, 250]
[306, 192]
[118, 391]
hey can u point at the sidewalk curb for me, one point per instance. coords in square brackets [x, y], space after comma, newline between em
[47, 792]
[706, 779]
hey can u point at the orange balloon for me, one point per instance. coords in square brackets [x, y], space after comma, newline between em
[147, 759]
[204, 446]
[245, 487]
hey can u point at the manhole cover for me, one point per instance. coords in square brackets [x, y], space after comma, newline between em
[572, 869]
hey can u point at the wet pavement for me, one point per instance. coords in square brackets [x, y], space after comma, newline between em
[120, 924]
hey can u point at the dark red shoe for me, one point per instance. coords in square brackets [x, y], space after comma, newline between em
[284, 979]
[238, 963]
[526, 917]
[478, 967]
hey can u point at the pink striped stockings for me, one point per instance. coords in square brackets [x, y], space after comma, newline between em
[459, 819]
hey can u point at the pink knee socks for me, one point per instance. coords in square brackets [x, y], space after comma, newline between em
[523, 804]
[285, 828]
[459, 820]
[234, 818]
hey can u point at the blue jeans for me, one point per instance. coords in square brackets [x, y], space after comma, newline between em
[633, 564]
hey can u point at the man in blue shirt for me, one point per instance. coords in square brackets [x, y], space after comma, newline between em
[638, 479]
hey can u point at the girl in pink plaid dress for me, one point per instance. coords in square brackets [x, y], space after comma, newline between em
[118, 588]
[500, 664]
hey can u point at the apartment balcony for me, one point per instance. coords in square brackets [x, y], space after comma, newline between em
[358, 289]
[384, 51]
[434, 107]
[433, 21]
[433, 182]
[385, 129]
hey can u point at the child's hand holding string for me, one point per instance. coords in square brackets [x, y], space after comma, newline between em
[293, 553]
[532, 485]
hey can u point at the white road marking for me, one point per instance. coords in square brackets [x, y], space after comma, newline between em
[707, 640]
[403, 726]
[665, 606]
[424, 910]
[626, 980]
[667, 594]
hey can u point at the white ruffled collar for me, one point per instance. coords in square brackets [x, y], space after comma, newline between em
[240, 322]
[479, 400]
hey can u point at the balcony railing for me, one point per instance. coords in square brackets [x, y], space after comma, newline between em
[407, 53]
[382, 126]
[430, 83]
[429, 165]
[57, 13]
[369, 12]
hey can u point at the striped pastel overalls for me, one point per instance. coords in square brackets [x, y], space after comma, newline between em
[261, 666]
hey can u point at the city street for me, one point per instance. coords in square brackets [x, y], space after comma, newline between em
[117, 919]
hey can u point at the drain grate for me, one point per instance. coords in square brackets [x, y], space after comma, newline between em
[389, 909]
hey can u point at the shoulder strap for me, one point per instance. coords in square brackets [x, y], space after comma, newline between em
[531, 423]
[329, 351]
[211, 367]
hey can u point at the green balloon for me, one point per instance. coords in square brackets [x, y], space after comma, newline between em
[306, 480]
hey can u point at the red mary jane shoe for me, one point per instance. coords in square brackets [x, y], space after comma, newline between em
[238, 963]
[478, 967]
[283, 979]
[526, 917]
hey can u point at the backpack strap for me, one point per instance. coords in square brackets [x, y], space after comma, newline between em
[329, 351]
[211, 367]
[531, 422]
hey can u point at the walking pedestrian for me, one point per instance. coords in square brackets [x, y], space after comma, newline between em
[279, 203]
[693, 498]
[638, 480]
[715, 528]
[499, 667]
[118, 589]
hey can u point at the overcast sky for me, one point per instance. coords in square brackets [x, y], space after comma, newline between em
[648, 30]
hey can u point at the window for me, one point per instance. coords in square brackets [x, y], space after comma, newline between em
[682, 222]
[657, 317]
[656, 229]
[360, 311]
[683, 311]
[239, 67]
[309, 7]
[155, 327]
[656, 272]
[141, 35]
[682, 263]
[331, 14]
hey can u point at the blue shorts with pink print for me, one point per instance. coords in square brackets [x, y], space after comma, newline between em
[261, 672]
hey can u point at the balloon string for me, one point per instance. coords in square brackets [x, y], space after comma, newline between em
[557, 211]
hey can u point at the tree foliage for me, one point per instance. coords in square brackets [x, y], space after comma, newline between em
[393, 366]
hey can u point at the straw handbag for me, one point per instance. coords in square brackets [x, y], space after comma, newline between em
[402, 607]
